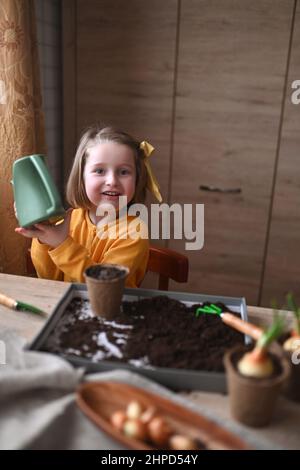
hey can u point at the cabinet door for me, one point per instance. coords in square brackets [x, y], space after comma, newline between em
[125, 70]
[282, 272]
[231, 72]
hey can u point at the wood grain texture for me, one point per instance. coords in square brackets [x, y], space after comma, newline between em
[69, 83]
[41, 293]
[125, 71]
[168, 264]
[231, 70]
[282, 273]
[45, 294]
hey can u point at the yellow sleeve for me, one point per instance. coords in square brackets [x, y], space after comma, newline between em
[69, 260]
[72, 259]
[130, 248]
[43, 263]
[134, 254]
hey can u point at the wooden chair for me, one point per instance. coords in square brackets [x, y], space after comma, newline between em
[168, 264]
[30, 269]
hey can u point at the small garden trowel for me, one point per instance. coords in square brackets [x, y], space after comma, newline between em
[231, 320]
[17, 305]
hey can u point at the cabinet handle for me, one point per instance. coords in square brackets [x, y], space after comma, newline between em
[213, 189]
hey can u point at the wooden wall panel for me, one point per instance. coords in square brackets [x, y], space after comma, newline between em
[231, 70]
[69, 84]
[282, 271]
[125, 70]
[119, 69]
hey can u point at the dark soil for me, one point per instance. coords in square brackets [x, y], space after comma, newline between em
[156, 331]
[104, 273]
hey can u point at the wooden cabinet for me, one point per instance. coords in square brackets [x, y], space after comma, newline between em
[282, 267]
[204, 82]
[123, 70]
[231, 75]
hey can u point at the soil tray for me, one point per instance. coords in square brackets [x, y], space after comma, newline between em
[156, 356]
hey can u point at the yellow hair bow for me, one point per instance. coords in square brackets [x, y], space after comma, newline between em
[152, 183]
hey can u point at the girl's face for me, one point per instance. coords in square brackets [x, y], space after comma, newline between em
[109, 173]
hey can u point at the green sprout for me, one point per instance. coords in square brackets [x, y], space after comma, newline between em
[291, 304]
[272, 333]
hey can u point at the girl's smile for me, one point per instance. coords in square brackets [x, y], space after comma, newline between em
[108, 174]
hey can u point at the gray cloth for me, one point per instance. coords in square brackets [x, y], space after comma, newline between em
[38, 408]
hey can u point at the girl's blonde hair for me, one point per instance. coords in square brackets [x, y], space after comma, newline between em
[75, 193]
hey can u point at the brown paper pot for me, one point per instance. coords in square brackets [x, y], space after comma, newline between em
[105, 293]
[291, 389]
[252, 401]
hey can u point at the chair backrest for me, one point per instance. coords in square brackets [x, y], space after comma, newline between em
[29, 265]
[168, 264]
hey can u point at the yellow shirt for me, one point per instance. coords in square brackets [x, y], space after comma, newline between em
[84, 247]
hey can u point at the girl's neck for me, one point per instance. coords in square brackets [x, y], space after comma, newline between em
[95, 219]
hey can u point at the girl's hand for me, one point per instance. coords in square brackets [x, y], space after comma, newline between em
[52, 235]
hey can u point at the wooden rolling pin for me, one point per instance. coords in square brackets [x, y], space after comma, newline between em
[240, 325]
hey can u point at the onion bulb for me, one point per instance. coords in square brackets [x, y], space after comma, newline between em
[256, 365]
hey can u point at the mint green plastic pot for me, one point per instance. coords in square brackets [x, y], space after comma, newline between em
[36, 196]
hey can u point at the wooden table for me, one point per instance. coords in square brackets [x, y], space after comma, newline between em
[38, 292]
[45, 294]
[285, 431]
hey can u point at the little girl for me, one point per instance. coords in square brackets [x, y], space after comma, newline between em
[108, 164]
